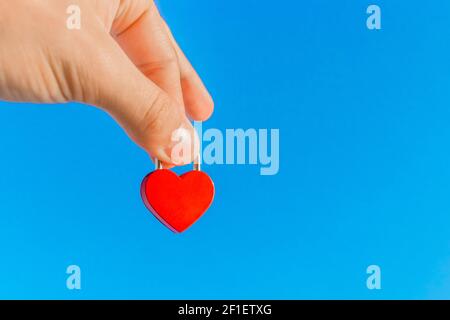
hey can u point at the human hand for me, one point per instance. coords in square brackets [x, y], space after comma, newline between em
[123, 59]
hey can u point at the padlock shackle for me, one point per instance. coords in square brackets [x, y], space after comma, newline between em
[158, 164]
[196, 164]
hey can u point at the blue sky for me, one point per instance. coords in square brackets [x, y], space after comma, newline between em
[364, 175]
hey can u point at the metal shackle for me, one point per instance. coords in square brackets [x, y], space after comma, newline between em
[196, 165]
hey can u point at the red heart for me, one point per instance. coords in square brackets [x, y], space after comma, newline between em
[177, 201]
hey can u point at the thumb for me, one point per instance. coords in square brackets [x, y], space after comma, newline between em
[150, 117]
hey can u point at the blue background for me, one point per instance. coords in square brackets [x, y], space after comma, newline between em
[364, 166]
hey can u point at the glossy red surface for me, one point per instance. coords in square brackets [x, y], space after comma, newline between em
[177, 201]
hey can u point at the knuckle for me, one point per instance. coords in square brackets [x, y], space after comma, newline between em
[155, 117]
[167, 63]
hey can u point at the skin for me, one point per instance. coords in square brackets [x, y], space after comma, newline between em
[123, 60]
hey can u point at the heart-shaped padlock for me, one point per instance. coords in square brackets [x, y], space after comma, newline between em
[177, 201]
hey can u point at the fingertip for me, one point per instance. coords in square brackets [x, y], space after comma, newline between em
[207, 109]
[199, 103]
[201, 113]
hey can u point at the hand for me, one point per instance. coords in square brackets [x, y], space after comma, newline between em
[123, 59]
